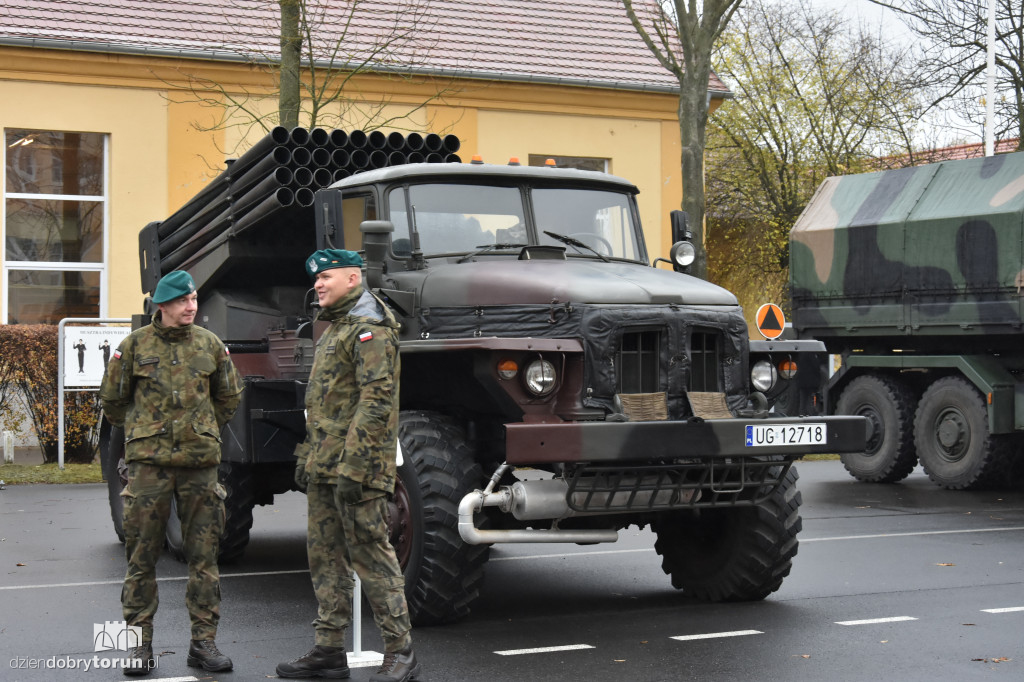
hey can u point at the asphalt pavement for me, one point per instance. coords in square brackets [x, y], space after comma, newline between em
[895, 582]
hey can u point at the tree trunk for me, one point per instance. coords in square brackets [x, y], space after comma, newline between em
[291, 61]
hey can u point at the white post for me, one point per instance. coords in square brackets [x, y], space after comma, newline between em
[357, 657]
[357, 616]
[8, 447]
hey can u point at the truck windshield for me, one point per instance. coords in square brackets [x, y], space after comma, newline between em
[457, 218]
[601, 220]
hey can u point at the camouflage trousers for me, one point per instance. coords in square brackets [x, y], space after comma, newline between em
[351, 538]
[147, 506]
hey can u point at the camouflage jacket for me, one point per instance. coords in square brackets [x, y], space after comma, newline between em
[352, 397]
[171, 388]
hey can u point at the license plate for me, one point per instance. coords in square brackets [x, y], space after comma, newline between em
[775, 435]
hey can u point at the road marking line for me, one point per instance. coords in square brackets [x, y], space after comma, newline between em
[802, 540]
[543, 650]
[159, 580]
[523, 558]
[907, 535]
[872, 621]
[1006, 610]
[172, 679]
[715, 635]
[572, 554]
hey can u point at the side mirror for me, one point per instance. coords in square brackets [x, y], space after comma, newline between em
[375, 248]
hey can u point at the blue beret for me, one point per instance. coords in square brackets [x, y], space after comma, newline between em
[173, 285]
[325, 259]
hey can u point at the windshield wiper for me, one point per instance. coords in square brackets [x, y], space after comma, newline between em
[577, 244]
[484, 248]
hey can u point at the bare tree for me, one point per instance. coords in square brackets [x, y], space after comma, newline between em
[312, 52]
[814, 97]
[954, 43]
[681, 37]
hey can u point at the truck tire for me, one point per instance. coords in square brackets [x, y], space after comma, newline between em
[115, 472]
[239, 482]
[888, 405]
[442, 573]
[953, 441]
[732, 554]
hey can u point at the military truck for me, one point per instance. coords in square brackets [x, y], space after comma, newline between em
[913, 277]
[556, 386]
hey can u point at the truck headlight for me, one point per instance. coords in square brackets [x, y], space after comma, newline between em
[540, 377]
[763, 375]
[682, 254]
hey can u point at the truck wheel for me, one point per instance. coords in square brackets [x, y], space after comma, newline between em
[953, 441]
[888, 406]
[442, 573]
[115, 472]
[735, 554]
[239, 482]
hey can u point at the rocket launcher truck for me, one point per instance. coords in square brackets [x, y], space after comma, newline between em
[557, 386]
[913, 276]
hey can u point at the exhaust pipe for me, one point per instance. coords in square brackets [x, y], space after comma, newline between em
[526, 500]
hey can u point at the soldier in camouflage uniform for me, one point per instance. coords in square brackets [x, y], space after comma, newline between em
[171, 386]
[347, 467]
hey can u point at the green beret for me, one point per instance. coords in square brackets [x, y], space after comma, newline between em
[325, 259]
[173, 285]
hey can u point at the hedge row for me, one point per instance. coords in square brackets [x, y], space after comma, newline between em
[28, 372]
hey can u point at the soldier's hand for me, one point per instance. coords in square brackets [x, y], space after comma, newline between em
[348, 491]
[301, 477]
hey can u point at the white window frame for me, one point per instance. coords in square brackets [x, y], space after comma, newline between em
[64, 266]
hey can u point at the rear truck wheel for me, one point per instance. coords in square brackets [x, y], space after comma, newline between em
[115, 472]
[442, 573]
[953, 441]
[732, 554]
[888, 405]
[239, 480]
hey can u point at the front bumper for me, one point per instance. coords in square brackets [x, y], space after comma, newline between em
[662, 441]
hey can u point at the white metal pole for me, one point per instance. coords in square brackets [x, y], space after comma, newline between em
[357, 616]
[60, 393]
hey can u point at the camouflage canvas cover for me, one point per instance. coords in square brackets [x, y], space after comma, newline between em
[926, 251]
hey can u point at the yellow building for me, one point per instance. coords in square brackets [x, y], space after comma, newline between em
[115, 114]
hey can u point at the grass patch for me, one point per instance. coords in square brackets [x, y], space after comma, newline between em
[15, 474]
[819, 458]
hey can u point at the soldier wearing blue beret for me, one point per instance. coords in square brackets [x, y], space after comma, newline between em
[346, 465]
[171, 386]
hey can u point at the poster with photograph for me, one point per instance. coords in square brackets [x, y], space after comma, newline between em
[87, 350]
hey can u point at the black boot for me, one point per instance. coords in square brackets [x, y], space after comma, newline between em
[398, 666]
[140, 660]
[321, 661]
[205, 654]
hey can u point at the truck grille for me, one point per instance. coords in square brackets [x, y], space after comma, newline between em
[700, 482]
[638, 362]
[705, 362]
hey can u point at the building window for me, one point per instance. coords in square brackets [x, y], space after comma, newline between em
[55, 216]
[578, 162]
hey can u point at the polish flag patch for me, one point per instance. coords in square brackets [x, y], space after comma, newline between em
[117, 355]
[365, 336]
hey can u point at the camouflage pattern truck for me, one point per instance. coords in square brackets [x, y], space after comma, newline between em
[914, 277]
[556, 385]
